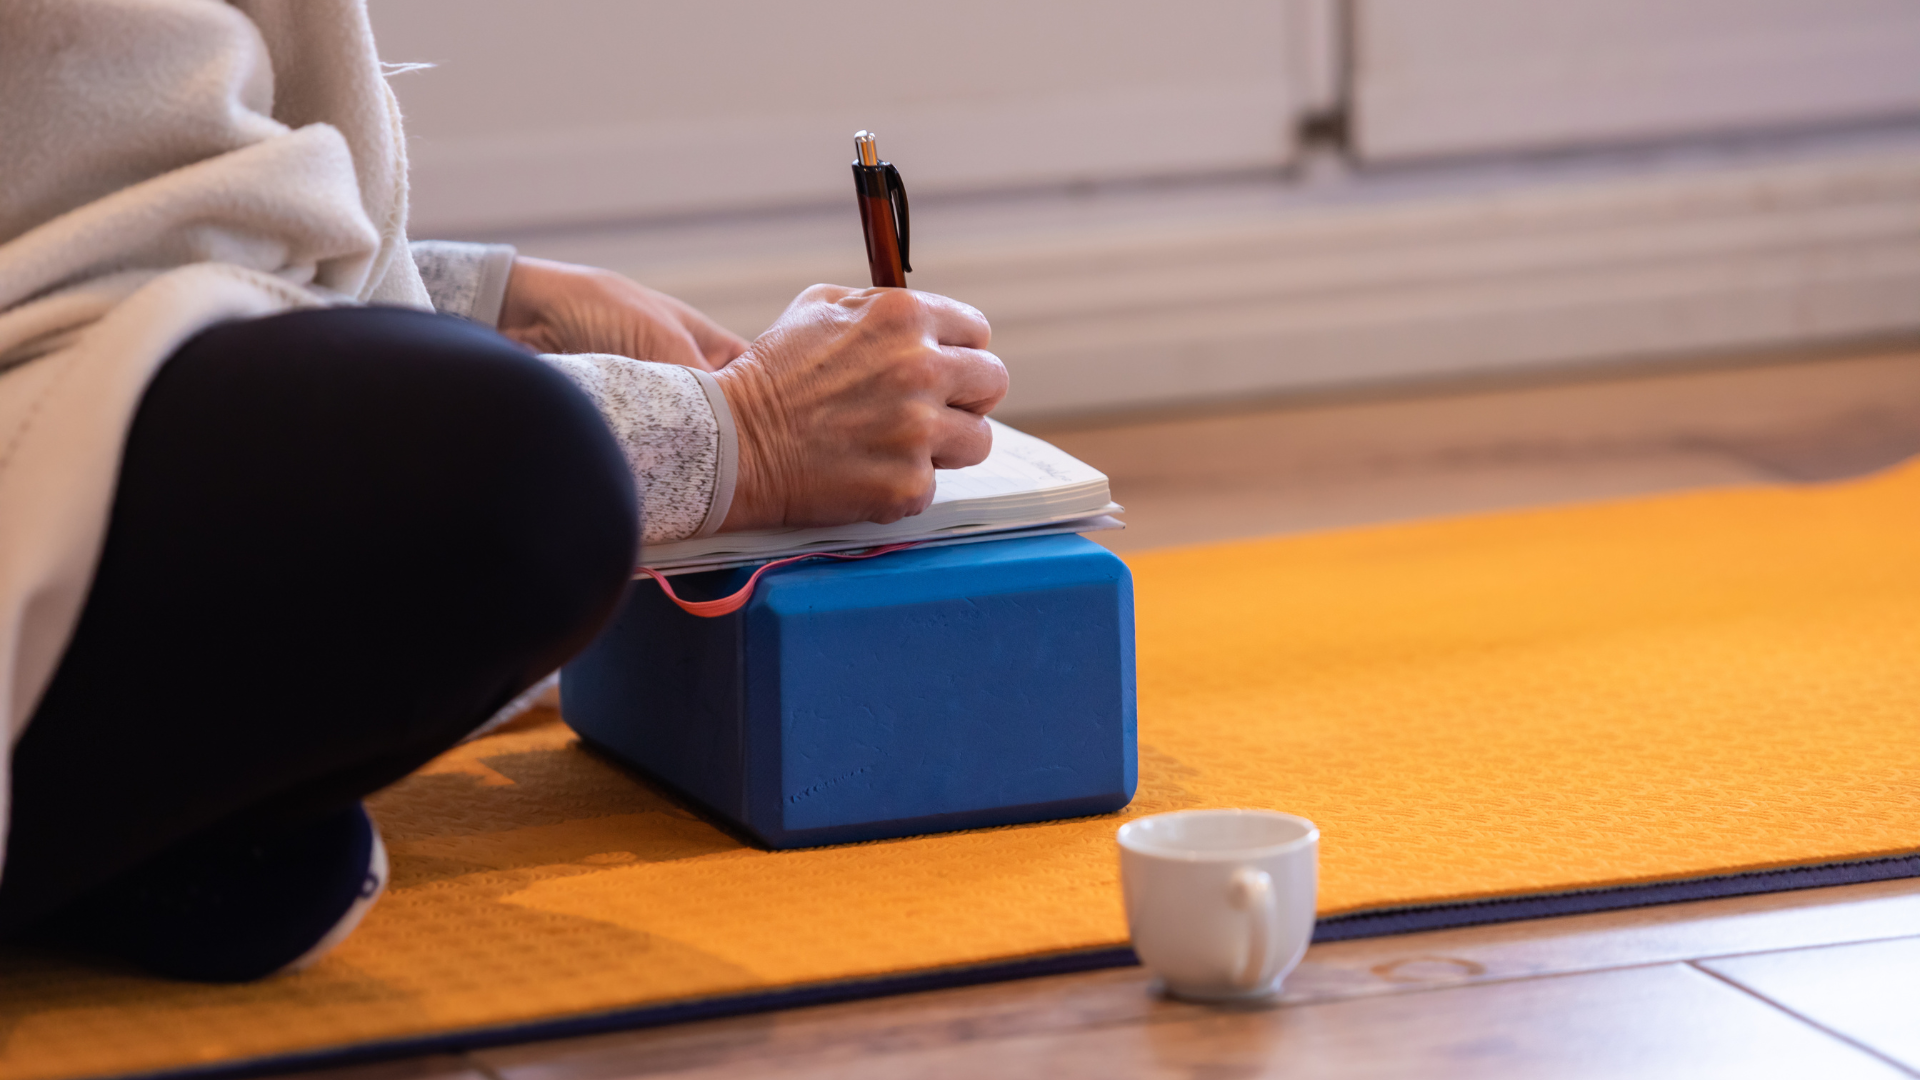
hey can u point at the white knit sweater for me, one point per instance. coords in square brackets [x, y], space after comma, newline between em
[169, 164]
[673, 423]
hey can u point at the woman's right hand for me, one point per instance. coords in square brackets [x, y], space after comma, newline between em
[851, 400]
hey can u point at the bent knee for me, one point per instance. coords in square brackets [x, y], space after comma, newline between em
[421, 441]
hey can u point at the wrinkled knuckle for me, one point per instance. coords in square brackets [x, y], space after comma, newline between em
[921, 420]
[978, 446]
[906, 374]
[896, 307]
[825, 295]
[996, 372]
[890, 502]
[979, 319]
[919, 374]
[910, 498]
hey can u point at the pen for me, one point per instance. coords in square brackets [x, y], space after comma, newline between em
[883, 213]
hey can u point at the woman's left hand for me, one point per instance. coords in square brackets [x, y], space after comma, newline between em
[560, 307]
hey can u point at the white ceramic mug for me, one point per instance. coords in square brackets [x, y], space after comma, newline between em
[1220, 903]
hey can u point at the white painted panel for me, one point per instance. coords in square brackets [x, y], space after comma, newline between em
[1315, 32]
[1255, 295]
[1434, 77]
[582, 110]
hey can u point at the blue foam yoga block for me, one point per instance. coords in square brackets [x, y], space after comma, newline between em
[921, 691]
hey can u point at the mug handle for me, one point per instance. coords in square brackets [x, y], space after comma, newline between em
[1252, 891]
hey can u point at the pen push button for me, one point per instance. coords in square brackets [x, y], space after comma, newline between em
[883, 213]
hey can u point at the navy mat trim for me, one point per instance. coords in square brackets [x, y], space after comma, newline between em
[656, 1015]
[1544, 905]
[1338, 928]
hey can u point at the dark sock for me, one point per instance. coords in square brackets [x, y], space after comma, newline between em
[233, 911]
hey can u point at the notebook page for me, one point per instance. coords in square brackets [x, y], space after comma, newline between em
[1024, 482]
[1018, 464]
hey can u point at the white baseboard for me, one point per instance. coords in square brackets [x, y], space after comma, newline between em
[1256, 296]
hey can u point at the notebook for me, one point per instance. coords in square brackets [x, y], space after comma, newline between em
[1026, 487]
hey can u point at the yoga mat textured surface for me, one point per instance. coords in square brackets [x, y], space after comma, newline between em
[1512, 705]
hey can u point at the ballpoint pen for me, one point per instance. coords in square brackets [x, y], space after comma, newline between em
[883, 213]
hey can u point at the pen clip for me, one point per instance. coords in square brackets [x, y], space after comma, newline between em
[897, 192]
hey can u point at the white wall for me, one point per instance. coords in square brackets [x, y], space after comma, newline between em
[1453, 77]
[585, 110]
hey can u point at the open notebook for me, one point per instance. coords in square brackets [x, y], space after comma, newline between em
[1025, 487]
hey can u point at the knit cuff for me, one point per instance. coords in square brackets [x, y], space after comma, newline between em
[669, 427]
[468, 280]
[729, 448]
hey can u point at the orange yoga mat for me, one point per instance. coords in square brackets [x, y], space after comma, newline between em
[1488, 717]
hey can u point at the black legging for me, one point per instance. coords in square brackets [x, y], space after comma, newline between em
[341, 539]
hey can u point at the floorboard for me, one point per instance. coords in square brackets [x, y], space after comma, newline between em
[1637, 936]
[1668, 1020]
[1864, 991]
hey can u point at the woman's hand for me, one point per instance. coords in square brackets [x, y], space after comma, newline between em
[847, 404]
[559, 307]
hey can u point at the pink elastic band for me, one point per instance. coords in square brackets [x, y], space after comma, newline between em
[727, 605]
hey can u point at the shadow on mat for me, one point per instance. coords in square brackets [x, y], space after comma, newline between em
[532, 799]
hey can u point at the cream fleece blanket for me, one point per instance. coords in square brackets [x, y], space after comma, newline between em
[164, 165]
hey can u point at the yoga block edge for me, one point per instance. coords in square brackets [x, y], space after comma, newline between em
[923, 691]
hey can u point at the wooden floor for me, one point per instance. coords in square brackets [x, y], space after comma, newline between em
[1818, 983]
